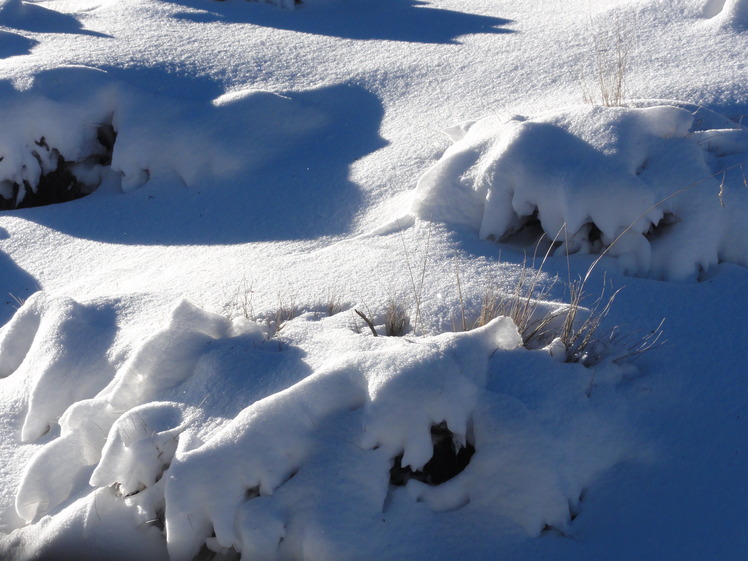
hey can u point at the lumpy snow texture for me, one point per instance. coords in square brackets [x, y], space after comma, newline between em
[265, 466]
[660, 188]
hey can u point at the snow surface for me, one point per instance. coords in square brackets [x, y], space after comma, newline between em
[183, 371]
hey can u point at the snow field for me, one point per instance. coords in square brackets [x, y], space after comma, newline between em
[275, 148]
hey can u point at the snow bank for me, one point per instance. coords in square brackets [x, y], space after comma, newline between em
[188, 437]
[661, 188]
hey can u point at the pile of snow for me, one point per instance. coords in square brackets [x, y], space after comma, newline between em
[51, 152]
[51, 144]
[212, 435]
[661, 188]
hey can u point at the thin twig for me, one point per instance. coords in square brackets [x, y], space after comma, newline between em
[368, 322]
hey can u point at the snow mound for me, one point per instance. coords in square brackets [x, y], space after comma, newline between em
[58, 145]
[661, 188]
[733, 13]
[41, 344]
[305, 460]
[52, 152]
[58, 340]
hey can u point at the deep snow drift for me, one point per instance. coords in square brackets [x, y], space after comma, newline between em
[194, 360]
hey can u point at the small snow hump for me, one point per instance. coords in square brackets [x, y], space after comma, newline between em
[732, 13]
[660, 187]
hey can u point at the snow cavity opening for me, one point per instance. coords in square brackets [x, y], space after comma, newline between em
[449, 459]
[49, 177]
[660, 187]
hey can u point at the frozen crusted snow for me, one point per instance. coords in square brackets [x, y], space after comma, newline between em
[243, 476]
[661, 188]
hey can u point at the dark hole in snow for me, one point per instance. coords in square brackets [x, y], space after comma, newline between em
[106, 135]
[595, 235]
[662, 227]
[60, 180]
[445, 463]
[252, 492]
[525, 231]
[549, 530]
[576, 508]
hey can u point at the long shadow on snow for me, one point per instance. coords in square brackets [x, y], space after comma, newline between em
[15, 284]
[70, 84]
[12, 44]
[394, 20]
[296, 149]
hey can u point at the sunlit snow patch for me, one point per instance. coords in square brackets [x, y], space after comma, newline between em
[661, 188]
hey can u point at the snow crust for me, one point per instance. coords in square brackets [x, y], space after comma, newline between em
[660, 188]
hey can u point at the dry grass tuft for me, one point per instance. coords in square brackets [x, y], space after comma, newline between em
[396, 320]
[610, 64]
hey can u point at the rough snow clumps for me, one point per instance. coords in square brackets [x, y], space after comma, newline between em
[661, 188]
[210, 435]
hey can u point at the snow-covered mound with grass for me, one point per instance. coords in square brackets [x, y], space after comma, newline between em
[56, 136]
[187, 438]
[662, 188]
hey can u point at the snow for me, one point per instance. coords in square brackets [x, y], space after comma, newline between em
[656, 187]
[185, 371]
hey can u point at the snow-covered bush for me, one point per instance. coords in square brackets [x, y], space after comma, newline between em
[51, 153]
[337, 436]
[660, 188]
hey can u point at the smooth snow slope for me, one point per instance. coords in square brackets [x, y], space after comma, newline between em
[156, 402]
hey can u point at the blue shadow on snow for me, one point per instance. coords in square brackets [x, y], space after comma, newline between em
[15, 284]
[393, 20]
[12, 44]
